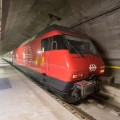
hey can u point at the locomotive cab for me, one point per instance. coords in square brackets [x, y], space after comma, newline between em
[87, 65]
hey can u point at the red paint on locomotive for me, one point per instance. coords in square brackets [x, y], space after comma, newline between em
[59, 63]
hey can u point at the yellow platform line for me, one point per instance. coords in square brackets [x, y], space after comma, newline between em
[114, 67]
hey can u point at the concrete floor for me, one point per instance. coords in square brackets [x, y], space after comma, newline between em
[113, 91]
[21, 99]
[99, 113]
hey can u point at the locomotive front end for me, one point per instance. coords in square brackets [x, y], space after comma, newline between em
[86, 66]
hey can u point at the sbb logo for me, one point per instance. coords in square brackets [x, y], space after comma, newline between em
[92, 67]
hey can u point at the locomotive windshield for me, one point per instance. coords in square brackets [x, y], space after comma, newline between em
[80, 45]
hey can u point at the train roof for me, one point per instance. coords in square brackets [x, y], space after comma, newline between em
[55, 27]
[48, 29]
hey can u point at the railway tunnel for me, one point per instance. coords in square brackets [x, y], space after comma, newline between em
[97, 19]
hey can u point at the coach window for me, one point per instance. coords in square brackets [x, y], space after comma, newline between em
[58, 43]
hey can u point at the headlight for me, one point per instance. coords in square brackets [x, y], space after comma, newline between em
[75, 76]
[101, 71]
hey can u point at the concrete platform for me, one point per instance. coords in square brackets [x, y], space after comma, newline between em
[21, 99]
[99, 113]
[113, 91]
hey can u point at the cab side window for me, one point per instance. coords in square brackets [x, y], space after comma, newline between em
[53, 43]
[45, 44]
[58, 43]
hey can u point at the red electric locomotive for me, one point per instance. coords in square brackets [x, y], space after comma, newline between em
[63, 61]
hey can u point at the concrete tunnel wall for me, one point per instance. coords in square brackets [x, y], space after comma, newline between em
[105, 33]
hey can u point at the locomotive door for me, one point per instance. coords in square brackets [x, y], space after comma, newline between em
[45, 55]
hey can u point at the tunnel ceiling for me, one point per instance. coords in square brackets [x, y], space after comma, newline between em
[21, 19]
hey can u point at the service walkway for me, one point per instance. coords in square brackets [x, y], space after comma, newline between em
[21, 99]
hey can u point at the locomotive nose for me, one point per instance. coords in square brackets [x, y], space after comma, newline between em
[88, 65]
